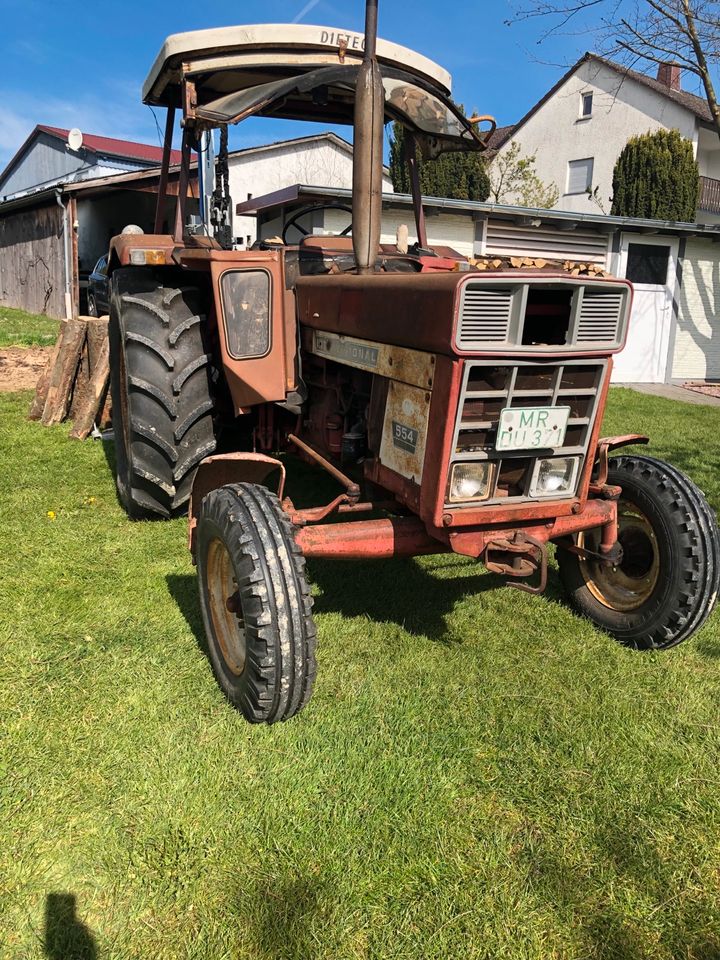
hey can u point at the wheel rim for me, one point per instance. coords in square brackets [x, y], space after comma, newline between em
[630, 584]
[225, 609]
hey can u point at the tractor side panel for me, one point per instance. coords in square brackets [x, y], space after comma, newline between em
[250, 305]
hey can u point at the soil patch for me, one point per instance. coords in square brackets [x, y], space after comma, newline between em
[709, 389]
[20, 367]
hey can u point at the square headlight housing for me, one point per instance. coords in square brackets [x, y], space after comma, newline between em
[555, 477]
[470, 482]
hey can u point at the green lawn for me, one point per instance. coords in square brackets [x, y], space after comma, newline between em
[480, 774]
[21, 329]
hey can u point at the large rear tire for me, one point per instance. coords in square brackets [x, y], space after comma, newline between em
[255, 602]
[161, 385]
[667, 583]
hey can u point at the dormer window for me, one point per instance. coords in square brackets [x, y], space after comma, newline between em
[586, 100]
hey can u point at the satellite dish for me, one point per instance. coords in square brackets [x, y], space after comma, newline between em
[75, 139]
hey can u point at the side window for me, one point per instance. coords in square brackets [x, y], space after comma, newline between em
[246, 309]
[101, 266]
[586, 104]
[647, 263]
[580, 174]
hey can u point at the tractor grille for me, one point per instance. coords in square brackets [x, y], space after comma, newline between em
[530, 316]
[488, 389]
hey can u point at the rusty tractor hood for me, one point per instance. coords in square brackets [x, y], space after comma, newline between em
[406, 310]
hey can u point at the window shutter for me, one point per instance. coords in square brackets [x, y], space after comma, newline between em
[505, 238]
[580, 175]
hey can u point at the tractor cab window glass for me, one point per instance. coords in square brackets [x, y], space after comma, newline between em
[647, 263]
[586, 104]
[423, 109]
[246, 307]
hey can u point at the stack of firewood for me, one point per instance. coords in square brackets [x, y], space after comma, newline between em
[74, 384]
[538, 263]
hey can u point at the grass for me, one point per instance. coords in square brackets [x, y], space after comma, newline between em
[480, 774]
[21, 329]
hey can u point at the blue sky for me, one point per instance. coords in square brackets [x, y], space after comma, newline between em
[66, 64]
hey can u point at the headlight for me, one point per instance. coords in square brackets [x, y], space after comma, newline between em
[554, 477]
[470, 481]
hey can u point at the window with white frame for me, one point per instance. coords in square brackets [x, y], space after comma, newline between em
[580, 174]
[586, 105]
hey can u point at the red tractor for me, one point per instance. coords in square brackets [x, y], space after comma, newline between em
[458, 410]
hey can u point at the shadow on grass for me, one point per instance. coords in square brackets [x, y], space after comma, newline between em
[66, 936]
[386, 591]
[289, 907]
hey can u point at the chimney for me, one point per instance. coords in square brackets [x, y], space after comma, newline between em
[669, 75]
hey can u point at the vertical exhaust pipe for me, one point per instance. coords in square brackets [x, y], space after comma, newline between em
[368, 150]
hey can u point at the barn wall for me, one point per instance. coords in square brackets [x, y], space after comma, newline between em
[32, 274]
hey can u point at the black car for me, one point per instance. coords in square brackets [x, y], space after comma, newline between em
[98, 290]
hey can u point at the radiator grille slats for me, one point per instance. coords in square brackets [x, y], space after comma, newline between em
[535, 316]
[488, 389]
[485, 317]
[600, 316]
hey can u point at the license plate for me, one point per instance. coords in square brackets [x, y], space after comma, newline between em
[530, 428]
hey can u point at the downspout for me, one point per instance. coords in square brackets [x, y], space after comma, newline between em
[368, 150]
[66, 255]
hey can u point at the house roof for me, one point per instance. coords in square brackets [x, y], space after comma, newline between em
[144, 153]
[694, 104]
[127, 149]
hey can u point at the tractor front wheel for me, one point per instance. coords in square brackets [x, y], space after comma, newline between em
[666, 585]
[255, 603]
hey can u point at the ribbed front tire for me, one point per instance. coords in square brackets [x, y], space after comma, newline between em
[256, 604]
[667, 583]
[161, 384]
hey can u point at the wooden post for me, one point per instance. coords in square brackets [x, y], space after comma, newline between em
[96, 338]
[71, 340]
[43, 384]
[94, 395]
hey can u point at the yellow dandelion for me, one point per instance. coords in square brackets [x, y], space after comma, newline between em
[51, 514]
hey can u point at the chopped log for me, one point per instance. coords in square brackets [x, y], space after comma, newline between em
[96, 338]
[496, 264]
[94, 396]
[43, 384]
[540, 263]
[72, 337]
[516, 261]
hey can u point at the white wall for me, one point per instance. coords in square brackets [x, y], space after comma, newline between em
[321, 163]
[622, 108]
[697, 339]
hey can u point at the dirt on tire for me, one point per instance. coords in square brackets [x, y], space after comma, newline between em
[20, 367]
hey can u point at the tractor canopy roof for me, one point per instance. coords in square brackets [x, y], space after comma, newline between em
[301, 72]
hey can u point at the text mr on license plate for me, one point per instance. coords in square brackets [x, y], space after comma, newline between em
[528, 428]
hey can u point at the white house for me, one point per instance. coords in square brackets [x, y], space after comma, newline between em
[324, 159]
[579, 127]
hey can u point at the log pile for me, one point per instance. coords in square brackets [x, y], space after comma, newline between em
[575, 269]
[74, 384]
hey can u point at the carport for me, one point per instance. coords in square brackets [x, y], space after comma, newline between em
[51, 239]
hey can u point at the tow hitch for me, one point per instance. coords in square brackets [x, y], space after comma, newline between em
[518, 557]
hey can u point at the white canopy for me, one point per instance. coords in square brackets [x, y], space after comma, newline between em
[232, 58]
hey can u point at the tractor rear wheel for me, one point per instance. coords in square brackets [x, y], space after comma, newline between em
[666, 585]
[255, 602]
[161, 385]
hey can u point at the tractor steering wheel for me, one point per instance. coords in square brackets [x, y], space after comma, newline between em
[311, 208]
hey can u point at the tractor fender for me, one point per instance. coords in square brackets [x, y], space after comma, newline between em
[605, 445]
[224, 468]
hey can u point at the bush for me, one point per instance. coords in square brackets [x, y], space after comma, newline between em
[656, 177]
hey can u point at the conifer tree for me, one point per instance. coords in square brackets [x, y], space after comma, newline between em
[656, 177]
[459, 176]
